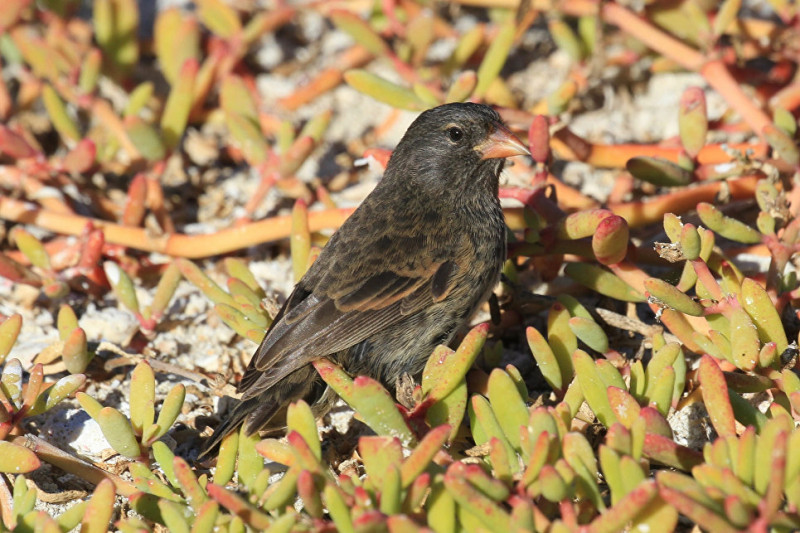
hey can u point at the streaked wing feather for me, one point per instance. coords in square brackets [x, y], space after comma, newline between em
[350, 329]
[319, 326]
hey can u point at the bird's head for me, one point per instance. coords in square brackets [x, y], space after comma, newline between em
[454, 146]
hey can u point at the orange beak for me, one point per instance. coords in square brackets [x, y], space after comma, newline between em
[500, 144]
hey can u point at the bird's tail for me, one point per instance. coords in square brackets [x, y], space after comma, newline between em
[254, 413]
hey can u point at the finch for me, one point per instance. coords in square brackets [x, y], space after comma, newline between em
[402, 275]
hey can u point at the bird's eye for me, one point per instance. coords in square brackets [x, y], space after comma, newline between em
[455, 134]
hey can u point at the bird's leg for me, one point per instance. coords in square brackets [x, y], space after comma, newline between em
[405, 390]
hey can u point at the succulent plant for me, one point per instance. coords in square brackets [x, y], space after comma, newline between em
[133, 436]
[95, 120]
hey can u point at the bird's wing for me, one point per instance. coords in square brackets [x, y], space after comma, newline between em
[336, 316]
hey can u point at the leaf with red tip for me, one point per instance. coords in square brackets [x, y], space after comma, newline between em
[668, 452]
[75, 354]
[715, 397]
[610, 240]
[615, 518]
[189, 485]
[368, 398]
[14, 145]
[696, 512]
[17, 272]
[539, 139]
[487, 512]
[445, 369]
[378, 453]
[624, 405]
[462, 87]
[655, 422]
[31, 247]
[99, 509]
[134, 211]
[236, 505]
[177, 38]
[81, 158]
[16, 459]
[692, 120]
[481, 480]
[309, 494]
[423, 454]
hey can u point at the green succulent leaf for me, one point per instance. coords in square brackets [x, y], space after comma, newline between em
[384, 91]
[761, 309]
[715, 396]
[658, 171]
[508, 406]
[602, 281]
[57, 392]
[728, 227]
[590, 332]
[118, 432]
[368, 398]
[143, 397]
[17, 459]
[379, 453]
[360, 31]
[9, 331]
[495, 57]
[445, 369]
[99, 509]
[593, 387]
[692, 120]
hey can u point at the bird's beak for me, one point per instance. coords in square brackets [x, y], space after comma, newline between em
[500, 144]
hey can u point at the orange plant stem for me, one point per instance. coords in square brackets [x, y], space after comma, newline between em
[616, 156]
[661, 42]
[713, 70]
[787, 98]
[68, 463]
[327, 79]
[276, 228]
[569, 146]
[174, 244]
[652, 211]
[189, 246]
[719, 77]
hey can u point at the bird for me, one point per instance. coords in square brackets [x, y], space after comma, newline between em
[402, 275]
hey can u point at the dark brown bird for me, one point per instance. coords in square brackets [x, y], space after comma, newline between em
[400, 276]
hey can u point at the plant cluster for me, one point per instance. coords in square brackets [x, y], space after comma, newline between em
[87, 104]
